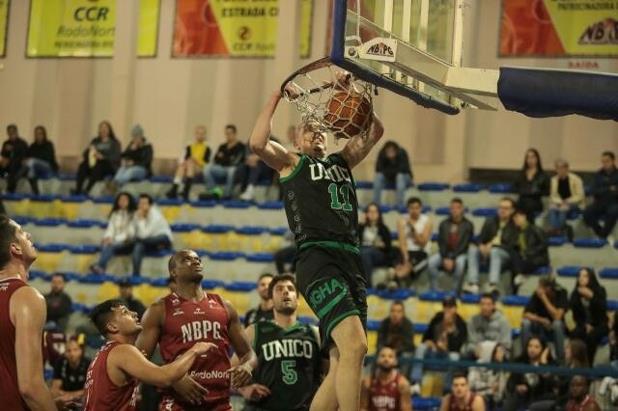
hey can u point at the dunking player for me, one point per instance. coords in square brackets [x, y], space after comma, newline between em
[387, 389]
[113, 376]
[185, 316]
[22, 316]
[289, 361]
[321, 207]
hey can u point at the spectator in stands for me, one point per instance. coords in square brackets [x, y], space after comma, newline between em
[252, 172]
[286, 255]
[196, 157]
[566, 194]
[414, 232]
[264, 310]
[589, 306]
[230, 155]
[579, 396]
[101, 159]
[136, 160]
[496, 240]
[487, 382]
[375, 241]
[387, 388]
[14, 151]
[544, 315]
[152, 231]
[462, 397]
[40, 161]
[396, 330]
[125, 288]
[525, 388]
[454, 236]
[531, 250]
[488, 325]
[59, 304]
[392, 167]
[532, 185]
[605, 193]
[67, 385]
[445, 336]
[120, 234]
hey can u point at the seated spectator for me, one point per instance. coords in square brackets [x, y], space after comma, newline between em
[286, 255]
[375, 241]
[14, 151]
[230, 155]
[579, 396]
[531, 250]
[589, 306]
[392, 167]
[496, 240]
[488, 325]
[120, 234]
[152, 231]
[544, 315]
[487, 382]
[566, 194]
[101, 159]
[454, 236]
[125, 289]
[462, 398]
[397, 331]
[444, 338]
[40, 161]
[523, 389]
[264, 310]
[532, 185]
[59, 304]
[196, 156]
[414, 232]
[67, 385]
[253, 171]
[136, 162]
[386, 389]
[604, 207]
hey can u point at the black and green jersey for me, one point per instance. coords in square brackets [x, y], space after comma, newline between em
[288, 364]
[320, 201]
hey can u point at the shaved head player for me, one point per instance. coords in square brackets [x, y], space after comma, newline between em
[22, 316]
[188, 315]
[322, 211]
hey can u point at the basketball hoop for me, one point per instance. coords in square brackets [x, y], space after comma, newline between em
[331, 98]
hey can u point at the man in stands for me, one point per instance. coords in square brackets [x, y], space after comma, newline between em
[530, 252]
[488, 325]
[115, 372]
[190, 314]
[498, 236]
[59, 303]
[397, 331]
[70, 374]
[461, 398]
[579, 396]
[392, 167]
[605, 193]
[284, 380]
[230, 155]
[12, 155]
[152, 231]
[22, 316]
[387, 389]
[264, 310]
[125, 288]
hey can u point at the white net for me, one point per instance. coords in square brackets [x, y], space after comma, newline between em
[330, 98]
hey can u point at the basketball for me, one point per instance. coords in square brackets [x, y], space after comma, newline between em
[348, 114]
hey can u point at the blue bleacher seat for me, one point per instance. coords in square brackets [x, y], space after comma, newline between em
[568, 271]
[279, 231]
[442, 211]
[373, 325]
[244, 286]
[85, 223]
[103, 200]
[159, 282]
[467, 188]
[84, 249]
[470, 298]
[235, 204]
[590, 243]
[161, 179]
[557, 241]
[49, 222]
[542, 271]
[385, 208]
[95, 278]
[271, 205]
[212, 284]
[260, 258]
[485, 212]
[502, 188]
[159, 253]
[14, 196]
[433, 187]
[35, 274]
[169, 202]
[251, 230]
[74, 198]
[202, 253]
[420, 328]
[217, 228]
[434, 237]
[81, 308]
[515, 333]
[367, 185]
[398, 294]
[516, 300]
[612, 305]
[184, 227]
[22, 220]
[43, 198]
[435, 295]
[425, 404]
[204, 203]
[53, 247]
[305, 319]
[609, 272]
[225, 256]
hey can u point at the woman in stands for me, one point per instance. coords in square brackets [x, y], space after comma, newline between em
[101, 159]
[40, 159]
[119, 237]
[136, 160]
[532, 185]
[589, 305]
[375, 240]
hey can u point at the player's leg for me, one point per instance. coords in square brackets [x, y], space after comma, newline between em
[326, 397]
[349, 334]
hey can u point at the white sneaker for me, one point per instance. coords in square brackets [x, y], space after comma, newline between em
[415, 389]
[248, 194]
[471, 288]
[519, 279]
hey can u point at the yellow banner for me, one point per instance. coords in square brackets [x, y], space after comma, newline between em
[4, 17]
[239, 28]
[83, 28]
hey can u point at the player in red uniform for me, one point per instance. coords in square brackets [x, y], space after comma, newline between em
[113, 376]
[461, 397]
[185, 316]
[387, 390]
[22, 316]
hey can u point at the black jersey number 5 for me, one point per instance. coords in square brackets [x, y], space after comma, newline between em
[334, 192]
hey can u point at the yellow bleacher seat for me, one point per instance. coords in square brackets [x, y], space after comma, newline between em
[106, 291]
[513, 315]
[433, 384]
[20, 207]
[241, 300]
[171, 213]
[42, 209]
[70, 211]
[148, 294]
[49, 262]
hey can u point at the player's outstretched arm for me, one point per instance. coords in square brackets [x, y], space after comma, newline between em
[358, 147]
[151, 329]
[272, 153]
[247, 360]
[27, 312]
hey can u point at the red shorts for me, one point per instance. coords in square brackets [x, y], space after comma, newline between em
[169, 403]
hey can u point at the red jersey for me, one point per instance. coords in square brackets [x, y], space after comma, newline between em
[454, 406]
[9, 390]
[101, 393]
[384, 396]
[574, 406]
[187, 322]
